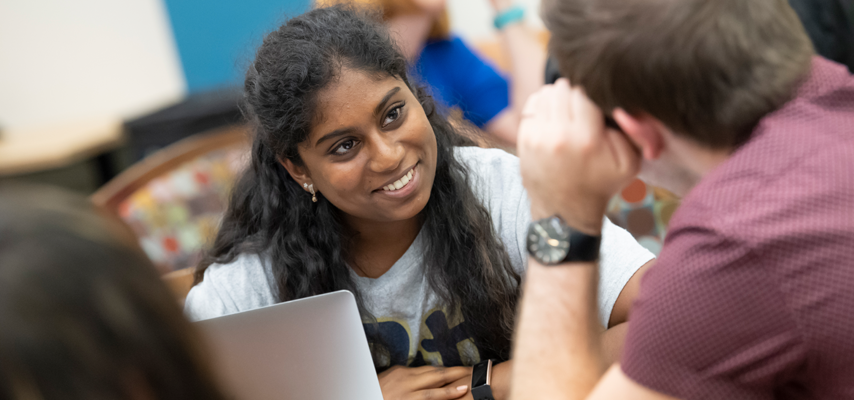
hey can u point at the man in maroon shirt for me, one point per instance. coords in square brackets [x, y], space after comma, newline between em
[724, 102]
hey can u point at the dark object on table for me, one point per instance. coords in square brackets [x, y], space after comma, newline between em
[829, 25]
[197, 113]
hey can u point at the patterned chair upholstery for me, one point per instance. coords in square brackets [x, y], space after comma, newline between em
[174, 199]
[644, 211]
[177, 214]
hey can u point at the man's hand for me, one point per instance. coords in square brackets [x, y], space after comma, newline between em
[571, 163]
[402, 383]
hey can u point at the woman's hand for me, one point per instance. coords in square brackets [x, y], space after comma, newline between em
[500, 384]
[402, 383]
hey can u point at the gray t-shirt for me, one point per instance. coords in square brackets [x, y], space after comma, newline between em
[409, 316]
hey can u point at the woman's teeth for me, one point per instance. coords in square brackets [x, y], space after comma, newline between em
[400, 182]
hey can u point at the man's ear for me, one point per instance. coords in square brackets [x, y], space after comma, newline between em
[298, 172]
[642, 129]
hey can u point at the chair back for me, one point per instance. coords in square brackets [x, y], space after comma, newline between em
[174, 199]
[645, 212]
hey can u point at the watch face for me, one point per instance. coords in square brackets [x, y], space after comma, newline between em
[548, 241]
[478, 377]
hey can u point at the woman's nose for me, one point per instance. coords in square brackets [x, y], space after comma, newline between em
[388, 154]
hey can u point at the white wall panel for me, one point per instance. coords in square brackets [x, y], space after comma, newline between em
[69, 60]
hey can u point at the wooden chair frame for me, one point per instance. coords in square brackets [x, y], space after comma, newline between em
[173, 156]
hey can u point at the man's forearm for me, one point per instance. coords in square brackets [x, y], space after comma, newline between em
[557, 351]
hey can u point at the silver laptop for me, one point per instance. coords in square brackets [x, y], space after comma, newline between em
[312, 348]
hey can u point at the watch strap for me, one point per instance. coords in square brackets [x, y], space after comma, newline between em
[583, 247]
[484, 391]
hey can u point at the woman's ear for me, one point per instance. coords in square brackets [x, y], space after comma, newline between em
[643, 130]
[298, 172]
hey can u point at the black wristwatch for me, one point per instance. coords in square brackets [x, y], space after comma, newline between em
[552, 242]
[481, 378]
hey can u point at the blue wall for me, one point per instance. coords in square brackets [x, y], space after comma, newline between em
[217, 39]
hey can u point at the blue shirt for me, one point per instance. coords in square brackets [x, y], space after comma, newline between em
[459, 78]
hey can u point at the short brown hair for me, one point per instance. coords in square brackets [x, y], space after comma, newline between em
[708, 69]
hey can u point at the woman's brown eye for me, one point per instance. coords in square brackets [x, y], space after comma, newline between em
[345, 146]
[392, 115]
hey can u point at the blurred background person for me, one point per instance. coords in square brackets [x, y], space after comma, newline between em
[83, 314]
[460, 77]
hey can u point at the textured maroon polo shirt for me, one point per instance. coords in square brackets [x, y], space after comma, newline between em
[753, 295]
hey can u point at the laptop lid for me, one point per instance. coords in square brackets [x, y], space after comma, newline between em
[311, 348]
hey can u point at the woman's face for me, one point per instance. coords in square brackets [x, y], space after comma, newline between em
[371, 151]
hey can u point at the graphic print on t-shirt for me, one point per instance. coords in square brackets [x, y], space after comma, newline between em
[441, 341]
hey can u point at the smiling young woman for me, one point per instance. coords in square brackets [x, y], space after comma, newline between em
[427, 234]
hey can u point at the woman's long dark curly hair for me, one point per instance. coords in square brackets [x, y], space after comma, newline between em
[466, 263]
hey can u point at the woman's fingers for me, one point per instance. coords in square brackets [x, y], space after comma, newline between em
[440, 376]
[398, 383]
[445, 393]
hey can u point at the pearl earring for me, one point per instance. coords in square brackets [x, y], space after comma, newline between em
[311, 190]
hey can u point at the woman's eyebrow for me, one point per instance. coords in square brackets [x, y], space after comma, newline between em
[342, 131]
[334, 134]
[385, 99]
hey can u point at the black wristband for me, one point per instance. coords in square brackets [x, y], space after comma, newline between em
[583, 247]
[481, 380]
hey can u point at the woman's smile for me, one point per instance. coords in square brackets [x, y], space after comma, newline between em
[401, 187]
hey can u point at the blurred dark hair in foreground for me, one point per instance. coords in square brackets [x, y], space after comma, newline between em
[83, 313]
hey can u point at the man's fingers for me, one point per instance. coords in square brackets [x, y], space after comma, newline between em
[545, 106]
[528, 124]
[563, 81]
[445, 393]
[560, 103]
[586, 113]
[531, 105]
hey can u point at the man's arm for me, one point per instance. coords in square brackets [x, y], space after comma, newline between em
[571, 165]
[557, 345]
[557, 349]
[611, 340]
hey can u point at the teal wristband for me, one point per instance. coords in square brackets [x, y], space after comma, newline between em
[513, 14]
